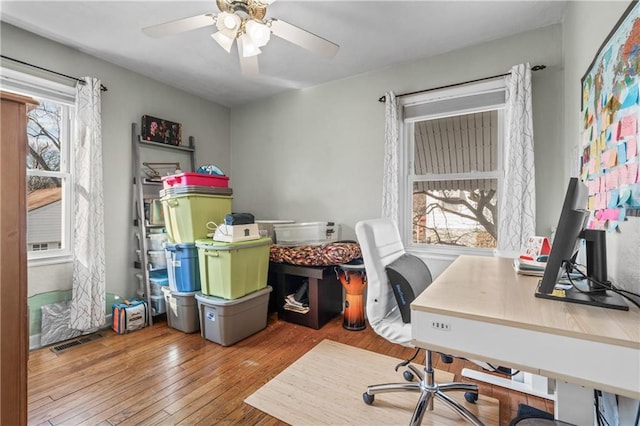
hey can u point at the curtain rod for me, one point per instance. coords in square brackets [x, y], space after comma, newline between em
[103, 88]
[534, 68]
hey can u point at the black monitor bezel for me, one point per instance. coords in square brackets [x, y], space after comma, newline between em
[571, 229]
[565, 244]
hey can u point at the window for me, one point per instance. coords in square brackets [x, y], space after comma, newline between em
[48, 164]
[451, 144]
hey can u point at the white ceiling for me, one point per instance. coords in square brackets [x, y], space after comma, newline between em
[372, 35]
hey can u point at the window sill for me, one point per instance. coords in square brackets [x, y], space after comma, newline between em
[49, 260]
[447, 253]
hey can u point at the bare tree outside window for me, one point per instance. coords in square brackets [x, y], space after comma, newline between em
[48, 178]
[455, 217]
[43, 131]
[454, 203]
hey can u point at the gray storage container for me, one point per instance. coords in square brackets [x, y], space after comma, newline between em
[182, 310]
[228, 321]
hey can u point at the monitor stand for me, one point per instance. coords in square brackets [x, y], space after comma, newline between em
[603, 299]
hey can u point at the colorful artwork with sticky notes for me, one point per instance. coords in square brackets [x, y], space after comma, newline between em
[611, 110]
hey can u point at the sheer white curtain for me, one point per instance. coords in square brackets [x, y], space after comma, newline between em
[517, 218]
[88, 300]
[391, 147]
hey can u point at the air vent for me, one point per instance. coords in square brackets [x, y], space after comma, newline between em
[75, 342]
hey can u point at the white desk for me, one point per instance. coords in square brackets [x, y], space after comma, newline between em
[479, 308]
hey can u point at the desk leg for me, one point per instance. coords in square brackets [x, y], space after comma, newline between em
[531, 384]
[574, 404]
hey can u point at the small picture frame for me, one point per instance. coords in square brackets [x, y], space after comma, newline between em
[160, 130]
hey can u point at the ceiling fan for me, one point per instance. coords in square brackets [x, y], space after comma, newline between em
[244, 21]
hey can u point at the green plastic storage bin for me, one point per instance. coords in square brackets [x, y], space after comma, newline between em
[186, 216]
[233, 270]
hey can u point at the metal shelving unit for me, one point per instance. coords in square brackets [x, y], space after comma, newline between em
[146, 189]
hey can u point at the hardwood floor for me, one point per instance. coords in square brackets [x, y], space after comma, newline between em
[160, 375]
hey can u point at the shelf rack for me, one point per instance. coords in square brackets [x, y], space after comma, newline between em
[145, 189]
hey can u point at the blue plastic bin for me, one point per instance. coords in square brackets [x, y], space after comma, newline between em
[183, 267]
[157, 279]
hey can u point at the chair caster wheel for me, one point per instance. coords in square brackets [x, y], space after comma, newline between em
[471, 397]
[447, 359]
[408, 376]
[368, 399]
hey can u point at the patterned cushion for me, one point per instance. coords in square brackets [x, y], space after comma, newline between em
[319, 255]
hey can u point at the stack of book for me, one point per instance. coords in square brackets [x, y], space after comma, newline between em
[298, 301]
[529, 267]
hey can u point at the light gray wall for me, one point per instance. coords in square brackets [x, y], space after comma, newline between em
[585, 27]
[317, 154]
[129, 97]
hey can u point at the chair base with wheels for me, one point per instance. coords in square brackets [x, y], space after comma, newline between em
[429, 390]
[394, 279]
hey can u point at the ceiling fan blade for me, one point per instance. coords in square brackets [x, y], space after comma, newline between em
[180, 25]
[248, 65]
[303, 38]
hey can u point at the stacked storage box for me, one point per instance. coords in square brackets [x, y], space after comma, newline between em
[228, 321]
[158, 280]
[184, 281]
[267, 226]
[233, 270]
[189, 201]
[183, 267]
[234, 294]
[308, 233]
[189, 205]
[182, 310]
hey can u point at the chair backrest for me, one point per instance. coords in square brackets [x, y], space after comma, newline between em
[380, 244]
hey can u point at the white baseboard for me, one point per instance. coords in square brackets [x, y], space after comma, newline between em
[34, 342]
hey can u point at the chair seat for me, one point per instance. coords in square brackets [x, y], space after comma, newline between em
[393, 329]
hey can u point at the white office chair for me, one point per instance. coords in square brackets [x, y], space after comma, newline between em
[381, 244]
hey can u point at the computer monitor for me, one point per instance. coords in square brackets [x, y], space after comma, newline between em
[571, 230]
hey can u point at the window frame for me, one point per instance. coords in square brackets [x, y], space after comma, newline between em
[406, 156]
[43, 89]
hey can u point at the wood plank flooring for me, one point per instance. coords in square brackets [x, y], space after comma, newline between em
[163, 376]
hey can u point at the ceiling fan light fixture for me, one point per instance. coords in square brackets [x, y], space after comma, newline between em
[231, 21]
[223, 40]
[228, 23]
[249, 48]
[244, 21]
[260, 33]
